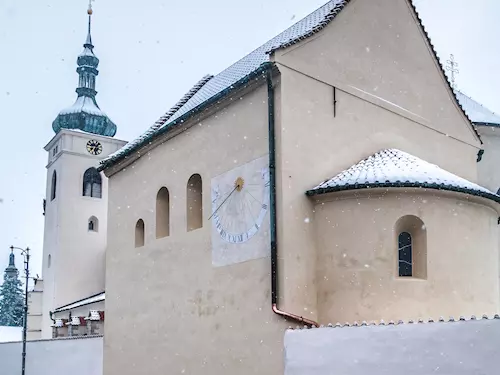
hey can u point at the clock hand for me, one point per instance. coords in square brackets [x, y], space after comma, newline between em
[224, 201]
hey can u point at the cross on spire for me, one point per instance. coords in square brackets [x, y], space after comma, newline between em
[452, 67]
[89, 12]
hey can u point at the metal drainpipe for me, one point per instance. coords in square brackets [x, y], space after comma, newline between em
[272, 204]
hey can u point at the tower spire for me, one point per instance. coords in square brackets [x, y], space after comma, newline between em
[88, 42]
[85, 114]
[11, 269]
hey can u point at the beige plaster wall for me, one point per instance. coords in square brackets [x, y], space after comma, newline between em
[167, 307]
[488, 167]
[389, 93]
[357, 256]
[188, 317]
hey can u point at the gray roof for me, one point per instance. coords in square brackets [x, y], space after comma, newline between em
[212, 89]
[309, 25]
[477, 113]
[301, 30]
[395, 168]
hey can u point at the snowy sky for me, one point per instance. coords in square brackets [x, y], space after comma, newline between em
[150, 54]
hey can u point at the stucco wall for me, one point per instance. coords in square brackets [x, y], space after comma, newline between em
[390, 94]
[53, 357]
[454, 348]
[182, 311]
[167, 307]
[488, 173]
[77, 255]
[357, 256]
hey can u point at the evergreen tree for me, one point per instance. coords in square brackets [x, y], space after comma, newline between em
[11, 297]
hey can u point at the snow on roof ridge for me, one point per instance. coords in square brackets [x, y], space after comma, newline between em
[83, 104]
[393, 167]
[382, 322]
[302, 29]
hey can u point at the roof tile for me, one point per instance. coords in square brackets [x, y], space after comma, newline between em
[395, 168]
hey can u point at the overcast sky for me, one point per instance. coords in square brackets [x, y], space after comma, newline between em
[150, 54]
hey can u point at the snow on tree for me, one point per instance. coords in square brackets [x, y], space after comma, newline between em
[11, 297]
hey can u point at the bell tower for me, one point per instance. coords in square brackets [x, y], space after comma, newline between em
[76, 195]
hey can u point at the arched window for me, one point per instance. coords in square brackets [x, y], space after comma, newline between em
[92, 183]
[53, 186]
[405, 265]
[194, 203]
[162, 213]
[139, 233]
[93, 224]
[411, 247]
[49, 261]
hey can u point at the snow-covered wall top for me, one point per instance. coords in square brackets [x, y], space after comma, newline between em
[451, 348]
[8, 334]
[82, 356]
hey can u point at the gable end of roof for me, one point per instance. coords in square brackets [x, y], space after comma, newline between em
[433, 49]
[316, 29]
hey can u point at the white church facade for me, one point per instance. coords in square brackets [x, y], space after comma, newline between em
[349, 181]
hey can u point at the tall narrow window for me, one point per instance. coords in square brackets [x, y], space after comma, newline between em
[93, 224]
[411, 245]
[49, 261]
[92, 183]
[53, 187]
[162, 213]
[139, 233]
[405, 254]
[194, 203]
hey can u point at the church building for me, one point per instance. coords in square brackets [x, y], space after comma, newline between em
[333, 174]
[72, 289]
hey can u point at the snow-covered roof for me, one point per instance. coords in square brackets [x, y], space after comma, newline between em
[83, 104]
[10, 334]
[396, 168]
[231, 77]
[94, 315]
[75, 321]
[87, 52]
[477, 113]
[309, 25]
[86, 301]
[161, 121]
[58, 323]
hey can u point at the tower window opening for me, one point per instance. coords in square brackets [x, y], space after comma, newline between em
[405, 254]
[411, 245]
[162, 213]
[93, 224]
[92, 183]
[53, 187]
[194, 203]
[139, 233]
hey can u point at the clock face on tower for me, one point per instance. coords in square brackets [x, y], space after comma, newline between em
[240, 223]
[94, 147]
